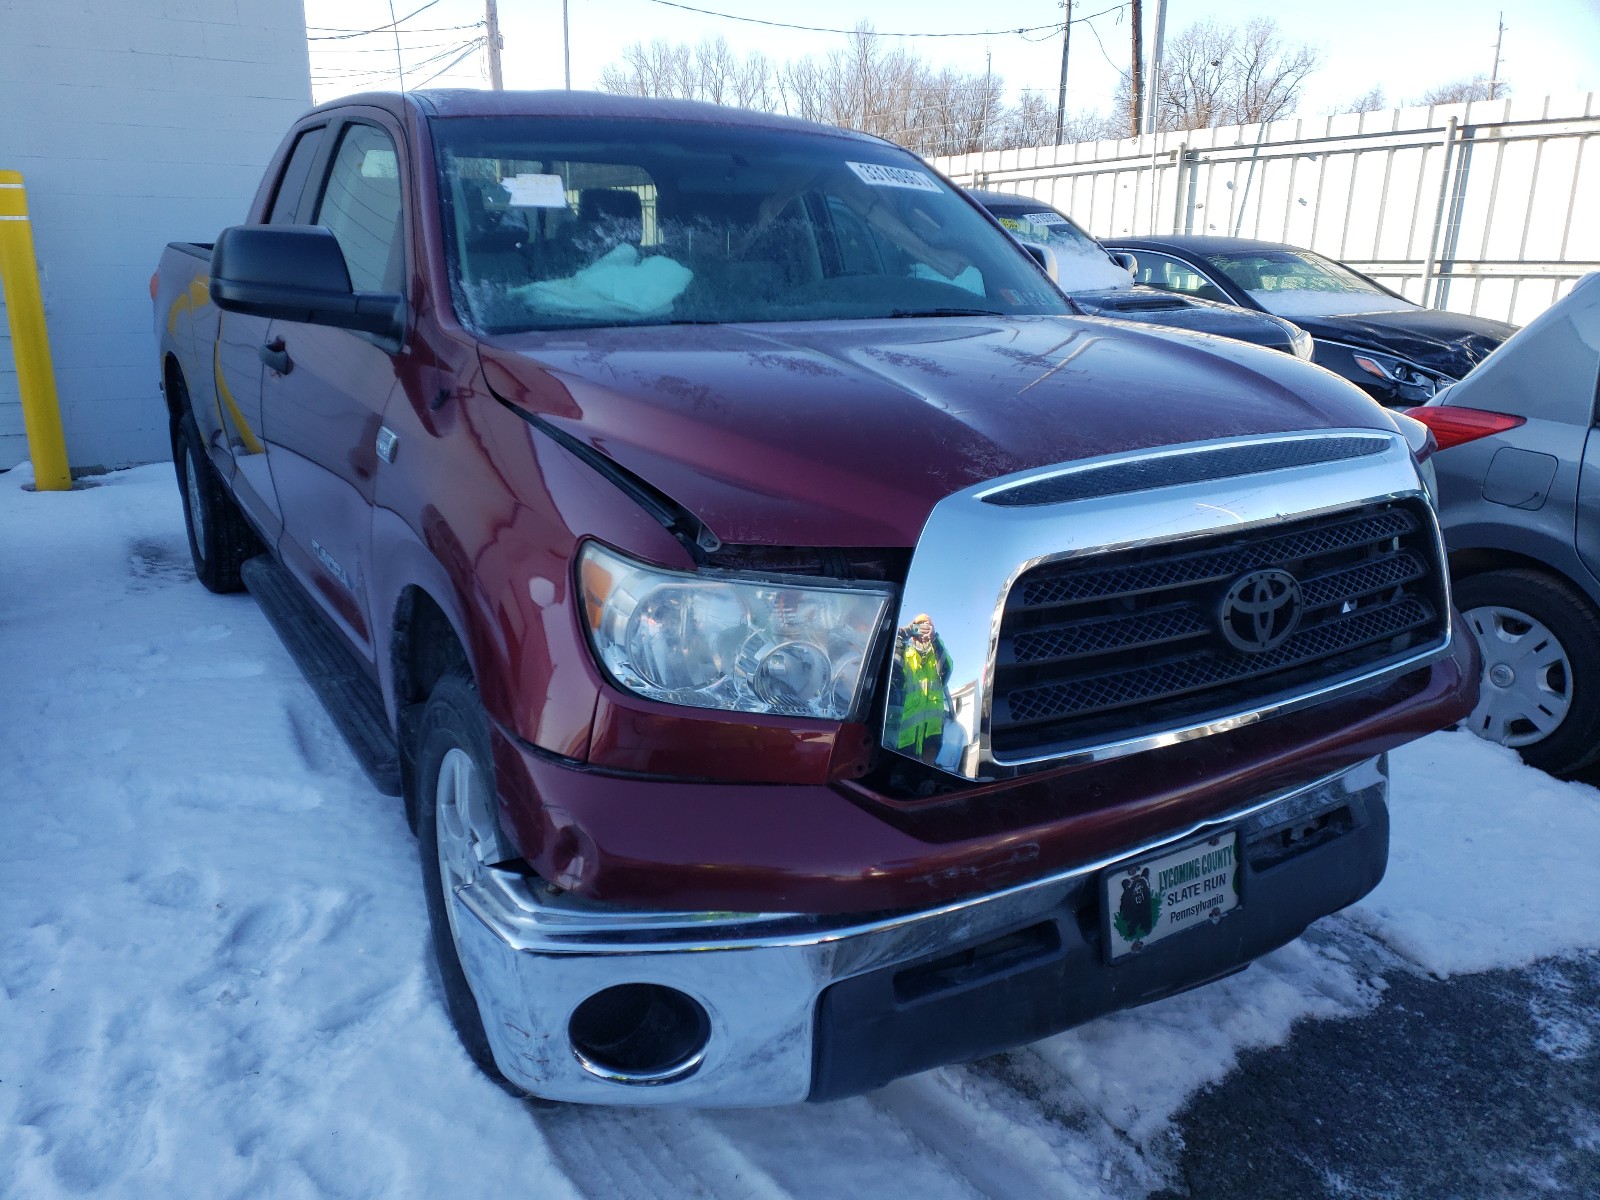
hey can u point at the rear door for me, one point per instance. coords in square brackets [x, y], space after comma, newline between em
[236, 365]
[325, 405]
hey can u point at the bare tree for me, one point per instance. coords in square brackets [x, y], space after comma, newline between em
[1461, 91]
[708, 71]
[1032, 122]
[1214, 74]
[1271, 73]
[868, 85]
[1372, 100]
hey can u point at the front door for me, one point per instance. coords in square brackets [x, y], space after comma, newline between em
[326, 393]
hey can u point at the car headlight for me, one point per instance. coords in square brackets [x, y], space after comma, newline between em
[1392, 369]
[740, 643]
[1302, 344]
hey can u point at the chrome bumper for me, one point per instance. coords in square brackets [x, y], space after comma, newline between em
[533, 956]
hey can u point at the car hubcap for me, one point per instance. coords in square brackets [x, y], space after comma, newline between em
[197, 514]
[1527, 679]
[465, 826]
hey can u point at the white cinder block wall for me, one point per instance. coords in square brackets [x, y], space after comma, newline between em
[134, 123]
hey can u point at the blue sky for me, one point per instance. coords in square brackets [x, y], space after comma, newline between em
[1550, 47]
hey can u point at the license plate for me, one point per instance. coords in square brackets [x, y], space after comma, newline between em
[1148, 899]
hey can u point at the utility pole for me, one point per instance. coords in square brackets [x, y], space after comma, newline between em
[566, 46]
[1136, 79]
[1152, 91]
[1494, 76]
[491, 18]
[988, 90]
[1061, 102]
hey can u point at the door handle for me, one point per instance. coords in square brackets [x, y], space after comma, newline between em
[276, 357]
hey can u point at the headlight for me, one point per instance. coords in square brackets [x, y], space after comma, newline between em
[1391, 369]
[1301, 341]
[740, 643]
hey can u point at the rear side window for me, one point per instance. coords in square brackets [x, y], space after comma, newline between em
[1171, 275]
[286, 204]
[361, 206]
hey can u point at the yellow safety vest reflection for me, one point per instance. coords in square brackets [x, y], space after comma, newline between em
[923, 714]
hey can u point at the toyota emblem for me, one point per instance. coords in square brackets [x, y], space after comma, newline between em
[1261, 611]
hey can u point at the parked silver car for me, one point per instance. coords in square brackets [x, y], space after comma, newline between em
[1519, 487]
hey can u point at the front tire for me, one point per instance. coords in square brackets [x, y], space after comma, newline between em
[220, 539]
[458, 836]
[1540, 640]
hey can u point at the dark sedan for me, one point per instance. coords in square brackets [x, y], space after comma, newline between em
[1103, 287]
[1398, 351]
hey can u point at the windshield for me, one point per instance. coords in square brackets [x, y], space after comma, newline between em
[1297, 283]
[569, 223]
[1085, 265]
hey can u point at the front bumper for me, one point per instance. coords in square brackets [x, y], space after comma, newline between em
[815, 1007]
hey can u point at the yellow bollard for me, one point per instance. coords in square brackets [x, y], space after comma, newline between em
[30, 345]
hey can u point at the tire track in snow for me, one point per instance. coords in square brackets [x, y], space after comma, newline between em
[843, 1148]
[646, 1153]
[1001, 1137]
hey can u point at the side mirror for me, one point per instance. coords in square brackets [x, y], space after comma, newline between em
[297, 273]
[1123, 259]
[1045, 257]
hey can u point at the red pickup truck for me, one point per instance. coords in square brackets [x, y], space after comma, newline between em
[810, 651]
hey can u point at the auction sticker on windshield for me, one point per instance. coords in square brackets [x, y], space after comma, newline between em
[901, 177]
[1153, 898]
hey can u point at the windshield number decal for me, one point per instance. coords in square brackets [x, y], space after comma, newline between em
[896, 177]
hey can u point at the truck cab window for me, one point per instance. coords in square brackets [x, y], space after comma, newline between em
[361, 206]
[286, 204]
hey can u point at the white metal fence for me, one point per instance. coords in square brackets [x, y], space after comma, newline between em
[1490, 208]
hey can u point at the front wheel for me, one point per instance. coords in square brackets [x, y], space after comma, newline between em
[1540, 640]
[459, 837]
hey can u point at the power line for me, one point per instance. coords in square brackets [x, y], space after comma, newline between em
[472, 48]
[384, 28]
[1023, 31]
[331, 74]
[706, 12]
[352, 34]
[333, 29]
[386, 49]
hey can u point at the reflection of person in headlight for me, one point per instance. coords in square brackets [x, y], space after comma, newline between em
[924, 671]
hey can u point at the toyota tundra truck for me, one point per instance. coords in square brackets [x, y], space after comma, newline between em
[810, 651]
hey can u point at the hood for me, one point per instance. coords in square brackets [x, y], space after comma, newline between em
[1447, 342]
[847, 433]
[1156, 307]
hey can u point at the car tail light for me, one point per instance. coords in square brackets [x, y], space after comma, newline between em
[1453, 426]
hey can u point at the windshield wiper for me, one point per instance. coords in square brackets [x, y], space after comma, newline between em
[945, 312]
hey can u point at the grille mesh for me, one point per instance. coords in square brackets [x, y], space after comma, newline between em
[1047, 587]
[1133, 641]
[1110, 633]
[1181, 675]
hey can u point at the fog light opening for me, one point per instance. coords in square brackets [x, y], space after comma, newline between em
[640, 1033]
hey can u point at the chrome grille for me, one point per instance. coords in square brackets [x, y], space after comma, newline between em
[1132, 641]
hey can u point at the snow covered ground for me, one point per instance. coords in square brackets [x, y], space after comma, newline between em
[214, 974]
